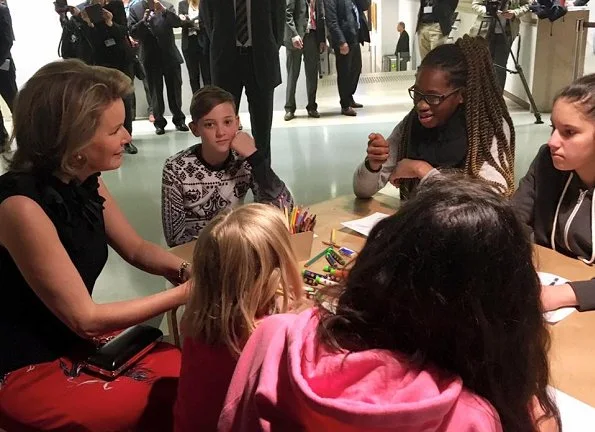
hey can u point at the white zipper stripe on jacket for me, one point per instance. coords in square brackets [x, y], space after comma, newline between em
[577, 206]
[573, 214]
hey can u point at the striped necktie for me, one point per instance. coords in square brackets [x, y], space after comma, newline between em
[241, 21]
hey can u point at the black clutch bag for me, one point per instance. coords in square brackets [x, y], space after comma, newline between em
[123, 351]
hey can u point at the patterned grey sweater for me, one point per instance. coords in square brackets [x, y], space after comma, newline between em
[193, 192]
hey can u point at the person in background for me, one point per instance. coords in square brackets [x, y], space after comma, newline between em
[160, 58]
[245, 43]
[555, 198]
[195, 44]
[74, 41]
[504, 32]
[434, 23]
[305, 36]
[58, 219]
[139, 70]
[470, 352]
[205, 179]
[347, 27]
[243, 270]
[8, 85]
[111, 48]
[459, 121]
[402, 50]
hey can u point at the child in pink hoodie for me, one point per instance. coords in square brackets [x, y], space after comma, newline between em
[243, 270]
[437, 329]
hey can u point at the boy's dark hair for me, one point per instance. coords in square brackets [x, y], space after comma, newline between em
[207, 98]
[449, 280]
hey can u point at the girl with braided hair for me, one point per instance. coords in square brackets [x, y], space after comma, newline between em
[459, 121]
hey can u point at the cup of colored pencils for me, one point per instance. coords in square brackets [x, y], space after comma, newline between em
[301, 225]
[299, 219]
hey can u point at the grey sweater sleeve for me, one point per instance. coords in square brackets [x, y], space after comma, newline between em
[365, 182]
[585, 294]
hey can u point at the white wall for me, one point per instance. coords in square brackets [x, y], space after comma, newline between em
[37, 34]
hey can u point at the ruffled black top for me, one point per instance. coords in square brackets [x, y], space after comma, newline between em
[29, 332]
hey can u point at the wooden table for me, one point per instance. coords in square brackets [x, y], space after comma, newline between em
[573, 339]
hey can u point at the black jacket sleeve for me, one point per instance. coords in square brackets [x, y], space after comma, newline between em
[171, 18]
[136, 24]
[206, 16]
[6, 36]
[117, 31]
[118, 12]
[278, 8]
[320, 22]
[332, 22]
[363, 5]
[266, 186]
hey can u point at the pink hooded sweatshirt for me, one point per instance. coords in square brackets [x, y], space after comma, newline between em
[286, 381]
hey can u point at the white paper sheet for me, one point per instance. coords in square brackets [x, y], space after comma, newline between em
[559, 314]
[365, 225]
[576, 416]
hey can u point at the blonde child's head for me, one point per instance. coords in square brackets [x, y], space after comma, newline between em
[243, 269]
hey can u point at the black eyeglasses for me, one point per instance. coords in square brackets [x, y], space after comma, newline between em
[430, 99]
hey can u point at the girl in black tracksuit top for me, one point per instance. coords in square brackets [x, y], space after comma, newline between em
[555, 198]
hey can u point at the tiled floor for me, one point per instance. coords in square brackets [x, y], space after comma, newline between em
[315, 157]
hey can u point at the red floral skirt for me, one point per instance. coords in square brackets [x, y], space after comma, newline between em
[55, 396]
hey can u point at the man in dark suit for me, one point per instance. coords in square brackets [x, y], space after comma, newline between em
[402, 51]
[8, 86]
[305, 36]
[160, 57]
[245, 39]
[348, 28]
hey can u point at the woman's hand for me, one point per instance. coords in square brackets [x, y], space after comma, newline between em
[557, 296]
[377, 151]
[409, 168]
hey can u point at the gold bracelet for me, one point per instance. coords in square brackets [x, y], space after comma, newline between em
[183, 267]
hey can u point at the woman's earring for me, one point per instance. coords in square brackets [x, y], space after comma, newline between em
[78, 158]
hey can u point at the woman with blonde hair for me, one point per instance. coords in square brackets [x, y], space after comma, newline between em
[243, 270]
[58, 219]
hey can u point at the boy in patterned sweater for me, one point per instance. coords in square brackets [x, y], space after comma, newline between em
[205, 179]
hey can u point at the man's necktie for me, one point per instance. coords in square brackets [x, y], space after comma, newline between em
[242, 21]
[312, 14]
